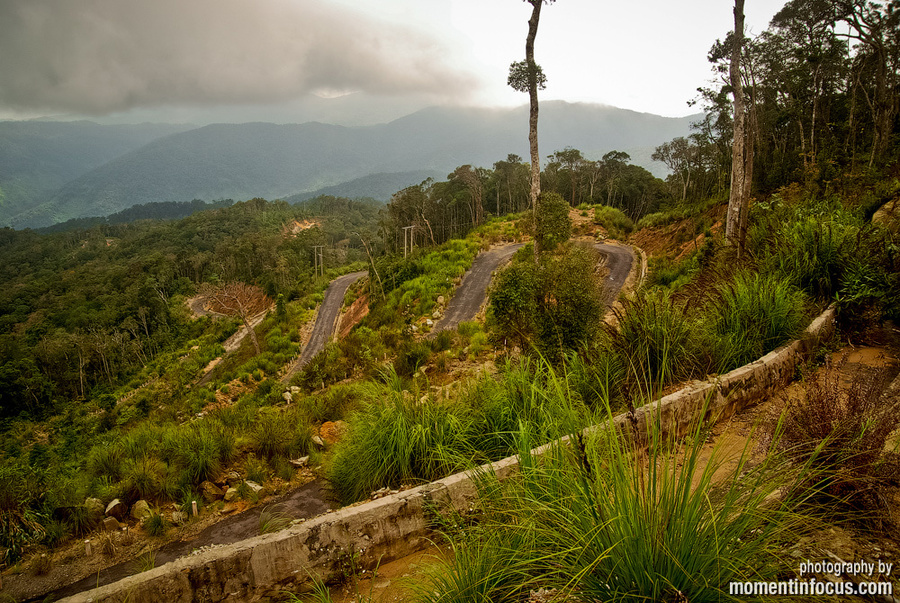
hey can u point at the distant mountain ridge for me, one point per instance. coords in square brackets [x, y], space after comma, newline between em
[242, 161]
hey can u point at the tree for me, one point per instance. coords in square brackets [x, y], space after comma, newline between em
[679, 155]
[237, 299]
[742, 144]
[528, 76]
[552, 225]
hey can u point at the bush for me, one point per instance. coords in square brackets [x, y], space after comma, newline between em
[554, 227]
[616, 223]
[843, 431]
[410, 357]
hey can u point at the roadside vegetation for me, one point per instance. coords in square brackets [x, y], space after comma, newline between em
[111, 388]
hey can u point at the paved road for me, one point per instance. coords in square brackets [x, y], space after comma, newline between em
[323, 330]
[618, 260]
[472, 292]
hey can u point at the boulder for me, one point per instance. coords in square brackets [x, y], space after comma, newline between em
[140, 510]
[429, 322]
[110, 524]
[231, 495]
[95, 508]
[211, 492]
[294, 390]
[233, 479]
[179, 517]
[436, 314]
[256, 489]
[300, 463]
[116, 508]
[440, 300]
[287, 397]
[317, 441]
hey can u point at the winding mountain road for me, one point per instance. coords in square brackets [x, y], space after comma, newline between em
[326, 318]
[472, 292]
[618, 260]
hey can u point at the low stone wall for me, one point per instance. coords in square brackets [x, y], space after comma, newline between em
[398, 525]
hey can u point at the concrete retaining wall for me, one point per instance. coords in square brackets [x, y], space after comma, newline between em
[398, 525]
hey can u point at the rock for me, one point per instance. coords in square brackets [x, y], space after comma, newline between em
[211, 492]
[233, 479]
[332, 432]
[440, 300]
[429, 322]
[110, 524]
[294, 390]
[414, 329]
[140, 510]
[257, 489]
[116, 508]
[318, 441]
[287, 397]
[231, 495]
[436, 314]
[95, 508]
[179, 518]
[300, 463]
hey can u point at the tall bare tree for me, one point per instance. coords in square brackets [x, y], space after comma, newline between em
[527, 76]
[742, 144]
[237, 299]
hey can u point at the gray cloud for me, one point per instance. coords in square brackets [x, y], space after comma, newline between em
[100, 56]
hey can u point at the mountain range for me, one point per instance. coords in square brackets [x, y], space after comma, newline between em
[54, 171]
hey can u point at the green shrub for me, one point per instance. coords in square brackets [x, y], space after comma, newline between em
[603, 522]
[752, 315]
[143, 478]
[616, 223]
[155, 524]
[655, 340]
[410, 357]
[394, 440]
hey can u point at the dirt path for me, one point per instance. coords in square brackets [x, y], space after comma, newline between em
[472, 292]
[325, 320]
[309, 500]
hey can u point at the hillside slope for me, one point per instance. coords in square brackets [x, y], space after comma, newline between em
[267, 160]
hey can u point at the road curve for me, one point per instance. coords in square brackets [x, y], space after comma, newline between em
[326, 318]
[618, 260]
[472, 292]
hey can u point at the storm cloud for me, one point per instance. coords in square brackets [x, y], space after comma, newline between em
[101, 56]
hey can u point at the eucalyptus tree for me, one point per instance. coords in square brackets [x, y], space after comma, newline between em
[527, 76]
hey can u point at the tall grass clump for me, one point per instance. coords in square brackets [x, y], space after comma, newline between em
[656, 341]
[750, 315]
[395, 438]
[613, 521]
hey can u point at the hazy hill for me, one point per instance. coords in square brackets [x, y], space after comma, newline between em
[376, 186]
[37, 157]
[241, 161]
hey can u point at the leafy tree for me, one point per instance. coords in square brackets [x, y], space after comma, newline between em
[552, 225]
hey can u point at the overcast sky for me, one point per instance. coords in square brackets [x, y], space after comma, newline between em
[347, 60]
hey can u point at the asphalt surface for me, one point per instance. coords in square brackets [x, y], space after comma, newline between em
[323, 330]
[618, 260]
[472, 292]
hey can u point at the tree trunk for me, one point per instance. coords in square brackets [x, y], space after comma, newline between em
[533, 112]
[742, 145]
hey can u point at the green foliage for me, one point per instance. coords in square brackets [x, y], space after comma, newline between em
[553, 227]
[612, 523]
[655, 340]
[393, 439]
[155, 524]
[273, 519]
[616, 223]
[555, 306]
[410, 357]
[752, 314]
